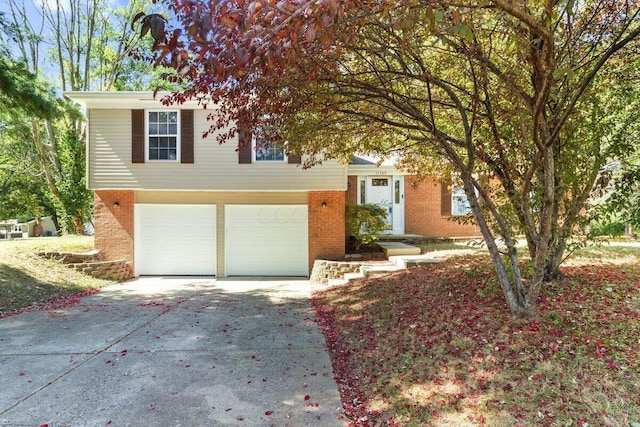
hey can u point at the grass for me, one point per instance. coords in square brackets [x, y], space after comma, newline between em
[436, 346]
[29, 282]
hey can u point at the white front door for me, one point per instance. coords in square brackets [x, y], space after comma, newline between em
[379, 193]
[388, 192]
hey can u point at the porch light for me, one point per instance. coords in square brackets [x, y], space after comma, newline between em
[324, 205]
[116, 204]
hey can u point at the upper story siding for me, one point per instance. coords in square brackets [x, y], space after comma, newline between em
[215, 167]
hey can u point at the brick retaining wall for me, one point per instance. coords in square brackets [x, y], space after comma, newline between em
[91, 263]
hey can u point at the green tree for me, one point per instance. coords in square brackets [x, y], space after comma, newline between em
[91, 48]
[505, 88]
[618, 187]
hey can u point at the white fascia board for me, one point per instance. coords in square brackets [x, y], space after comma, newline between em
[127, 100]
[374, 170]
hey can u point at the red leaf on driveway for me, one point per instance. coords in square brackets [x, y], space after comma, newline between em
[268, 413]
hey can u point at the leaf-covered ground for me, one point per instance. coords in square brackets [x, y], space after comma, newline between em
[436, 346]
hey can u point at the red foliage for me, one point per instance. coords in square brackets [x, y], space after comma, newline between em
[420, 326]
[237, 55]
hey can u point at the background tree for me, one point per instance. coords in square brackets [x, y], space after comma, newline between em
[492, 87]
[85, 45]
[619, 184]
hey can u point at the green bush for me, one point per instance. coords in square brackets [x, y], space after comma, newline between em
[613, 229]
[365, 222]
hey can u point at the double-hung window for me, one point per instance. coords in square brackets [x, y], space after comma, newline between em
[163, 135]
[269, 151]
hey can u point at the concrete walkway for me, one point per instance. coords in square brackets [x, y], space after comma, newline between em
[171, 352]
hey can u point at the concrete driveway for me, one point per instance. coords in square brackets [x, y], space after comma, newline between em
[171, 352]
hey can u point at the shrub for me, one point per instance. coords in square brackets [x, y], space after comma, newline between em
[613, 229]
[365, 222]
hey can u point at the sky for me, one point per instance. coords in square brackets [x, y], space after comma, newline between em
[34, 16]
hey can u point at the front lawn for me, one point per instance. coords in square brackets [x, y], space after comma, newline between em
[436, 346]
[28, 282]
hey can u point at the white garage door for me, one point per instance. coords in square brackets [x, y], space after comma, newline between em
[175, 239]
[266, 240]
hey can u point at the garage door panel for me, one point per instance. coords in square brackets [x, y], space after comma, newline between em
[266, 240]
[175, 239]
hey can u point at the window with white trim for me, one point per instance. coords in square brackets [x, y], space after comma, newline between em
[269, 151]
[163, 135]
[459, 202]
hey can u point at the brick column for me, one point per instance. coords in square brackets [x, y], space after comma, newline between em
[113, 211]
[326, 225]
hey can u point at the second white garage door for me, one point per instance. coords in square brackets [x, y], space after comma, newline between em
[266, 240]
[175, 239]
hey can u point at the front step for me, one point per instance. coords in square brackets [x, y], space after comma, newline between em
[398, 248]
[369, 270]
[399, 237]
[414, 261]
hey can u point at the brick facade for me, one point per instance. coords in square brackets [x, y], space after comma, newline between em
[422, 207]
[113, 210]
[326, 225]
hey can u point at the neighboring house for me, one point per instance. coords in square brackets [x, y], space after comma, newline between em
[48, 227]
[13, 229]
[174, 203]
[10, 229]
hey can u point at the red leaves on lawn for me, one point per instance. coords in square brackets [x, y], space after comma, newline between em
[431, 342]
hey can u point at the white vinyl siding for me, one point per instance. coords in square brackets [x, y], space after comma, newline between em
[215, 167]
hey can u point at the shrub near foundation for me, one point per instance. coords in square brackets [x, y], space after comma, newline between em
[365, 222]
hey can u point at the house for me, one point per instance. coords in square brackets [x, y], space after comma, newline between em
[14, 229]
[10, 229]
[47, 227]
[174, 203]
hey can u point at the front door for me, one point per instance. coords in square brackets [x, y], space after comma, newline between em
[380, 194]
[387, 191]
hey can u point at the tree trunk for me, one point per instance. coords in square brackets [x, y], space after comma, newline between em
[509, 275]
[554, 258]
